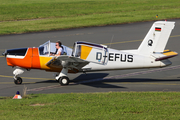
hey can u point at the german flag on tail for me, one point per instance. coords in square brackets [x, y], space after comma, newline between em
[158, 29]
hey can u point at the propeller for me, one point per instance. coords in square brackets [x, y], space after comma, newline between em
[4, 53]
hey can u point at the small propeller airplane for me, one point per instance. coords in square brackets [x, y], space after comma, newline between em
[87, 57]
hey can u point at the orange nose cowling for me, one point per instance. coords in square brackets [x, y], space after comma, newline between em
[21, 62]
[31, 60]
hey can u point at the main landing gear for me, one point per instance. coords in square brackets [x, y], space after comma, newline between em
[62, 77]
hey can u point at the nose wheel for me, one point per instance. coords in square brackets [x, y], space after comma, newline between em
[18, 81]
[16, 72]
[63, 80]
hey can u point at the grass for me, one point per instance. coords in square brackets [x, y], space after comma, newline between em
[21, 16]
[96, 106]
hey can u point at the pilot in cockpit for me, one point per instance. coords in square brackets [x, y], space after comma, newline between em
[59, 49]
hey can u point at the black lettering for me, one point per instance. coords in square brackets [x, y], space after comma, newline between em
[130, 58]
[116, 56]
[150, 42]
[111, 56]
[98, 56]
[121, 57]
[123, 60]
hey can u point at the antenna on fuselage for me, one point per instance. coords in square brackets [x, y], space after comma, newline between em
[111, 40]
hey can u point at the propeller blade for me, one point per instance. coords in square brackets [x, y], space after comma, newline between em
[4, 53]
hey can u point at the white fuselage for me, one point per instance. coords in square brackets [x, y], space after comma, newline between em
[126, 59]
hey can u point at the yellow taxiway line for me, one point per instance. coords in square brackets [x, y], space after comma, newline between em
[175, 36]
[122, 42]
[13, 82]
[132, 41]
[28, 78]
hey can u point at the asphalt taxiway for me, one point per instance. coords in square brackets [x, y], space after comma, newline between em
[122, 37]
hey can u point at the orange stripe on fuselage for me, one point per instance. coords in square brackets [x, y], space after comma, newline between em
[36, 59]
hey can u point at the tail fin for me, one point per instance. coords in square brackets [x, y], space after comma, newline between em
[157, 37]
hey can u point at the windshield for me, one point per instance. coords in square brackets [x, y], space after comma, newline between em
[44, 49]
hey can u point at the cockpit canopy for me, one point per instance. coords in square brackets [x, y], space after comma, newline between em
[91, 52]
[49, 47]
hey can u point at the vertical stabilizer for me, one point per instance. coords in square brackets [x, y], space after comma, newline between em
[157, 37]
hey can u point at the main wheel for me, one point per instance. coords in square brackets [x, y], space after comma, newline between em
[64, 80]
[18, 81]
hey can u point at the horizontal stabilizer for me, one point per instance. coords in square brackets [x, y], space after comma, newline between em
[165, 55]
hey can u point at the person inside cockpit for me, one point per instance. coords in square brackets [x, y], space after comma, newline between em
[59, 49]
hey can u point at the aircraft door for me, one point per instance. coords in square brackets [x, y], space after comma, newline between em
[98, 55]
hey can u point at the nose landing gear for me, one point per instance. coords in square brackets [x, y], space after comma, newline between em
[16, 72]
[18, 81]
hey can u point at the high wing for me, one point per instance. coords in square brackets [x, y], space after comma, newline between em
[165, 55]
[73, 63]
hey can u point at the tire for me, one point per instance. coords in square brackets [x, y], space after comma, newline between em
[18, 81]
[64, 80]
